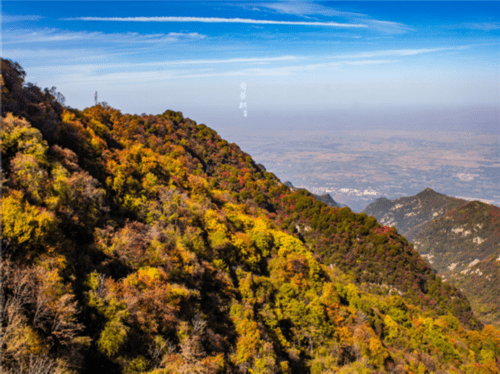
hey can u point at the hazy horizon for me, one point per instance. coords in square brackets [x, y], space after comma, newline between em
[145, 57]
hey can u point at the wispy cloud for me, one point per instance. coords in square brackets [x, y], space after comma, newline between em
[305, 8]
[286, 71]
[81, 74]
[92, 68]
[231, 60]
[388, 27]
[370, 62]
[213, 20]
[483, 26]
[61, 55]
[56, 35]
[117, 73]
[20, 18]
[402, 52]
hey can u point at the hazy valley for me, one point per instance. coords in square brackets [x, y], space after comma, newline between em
[358, 166]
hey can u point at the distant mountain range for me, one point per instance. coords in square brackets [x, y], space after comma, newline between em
[326, 198]
[460, 239]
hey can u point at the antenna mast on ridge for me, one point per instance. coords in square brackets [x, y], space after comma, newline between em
[95, 98]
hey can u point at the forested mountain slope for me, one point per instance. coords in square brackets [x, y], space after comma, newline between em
[410, 213]
[460, 239]
[326, 198]
[137, 244]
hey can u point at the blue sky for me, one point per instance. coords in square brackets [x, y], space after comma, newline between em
[293, 56]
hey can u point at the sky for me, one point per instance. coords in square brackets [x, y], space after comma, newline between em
[265, 64]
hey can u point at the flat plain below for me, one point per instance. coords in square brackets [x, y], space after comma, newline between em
[358, 166]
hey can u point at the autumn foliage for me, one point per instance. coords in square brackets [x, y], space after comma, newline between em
[135, 244]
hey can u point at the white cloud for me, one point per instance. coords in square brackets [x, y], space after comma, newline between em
[466, 177]
[56, 35]
[84, 55]
[11, 18]
[61, 55]
[229, 60]
[110, 74]
[131, 73]
[402, 52]
[119, 73]
[134, 78]
[388, 27]
[285, 71]
[212, 20]
[370, 62]
[303, 8]
[483, 26]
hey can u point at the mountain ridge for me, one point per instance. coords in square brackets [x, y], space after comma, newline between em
[325, 198]
[136, 244]
[460, 239]
[409, 219]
